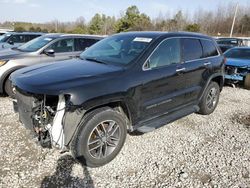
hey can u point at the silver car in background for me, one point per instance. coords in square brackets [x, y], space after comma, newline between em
[16, 39]
[47, 48]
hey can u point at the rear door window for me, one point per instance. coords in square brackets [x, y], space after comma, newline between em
[82, 43]
[191, 49]
[209, 49]
[30, 37]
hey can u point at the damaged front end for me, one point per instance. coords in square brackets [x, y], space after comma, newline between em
[43, 115]
[236, 74]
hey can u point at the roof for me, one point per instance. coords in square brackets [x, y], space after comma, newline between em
[58, 35]
[26, 33]
[156, 34]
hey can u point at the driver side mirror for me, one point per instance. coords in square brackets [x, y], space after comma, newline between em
[10, 42]
[49, 52]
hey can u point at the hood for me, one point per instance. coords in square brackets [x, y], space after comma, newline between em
[54, 78]
[238, 62]
[7, 54]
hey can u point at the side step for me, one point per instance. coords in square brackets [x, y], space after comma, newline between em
[158, 122]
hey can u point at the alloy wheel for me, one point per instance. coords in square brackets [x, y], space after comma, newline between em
[104, 139]
[212, 98]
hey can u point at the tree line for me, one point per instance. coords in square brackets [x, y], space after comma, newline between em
[216, 22]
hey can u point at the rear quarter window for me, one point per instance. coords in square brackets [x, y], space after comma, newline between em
[191, 49]
[209, 48]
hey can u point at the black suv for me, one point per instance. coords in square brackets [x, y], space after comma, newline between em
[136, 81]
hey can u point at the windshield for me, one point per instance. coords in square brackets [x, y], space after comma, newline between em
[5, 37]
[118, 49]
[238, 53]
[35, 44]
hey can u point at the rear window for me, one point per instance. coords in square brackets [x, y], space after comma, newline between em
[191, 49]
[209, 48]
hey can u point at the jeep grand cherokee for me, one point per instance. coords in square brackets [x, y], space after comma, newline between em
[136, 81]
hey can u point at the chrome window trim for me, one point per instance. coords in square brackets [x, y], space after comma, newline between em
[199, 38]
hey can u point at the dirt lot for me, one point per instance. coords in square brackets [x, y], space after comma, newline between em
[195, 151]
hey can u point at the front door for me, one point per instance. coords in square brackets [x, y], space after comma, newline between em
[163, 89]
[64, 49]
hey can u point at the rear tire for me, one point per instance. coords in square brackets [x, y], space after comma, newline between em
[99, 138]
[210, 99]
[247, 81]
[8, 88]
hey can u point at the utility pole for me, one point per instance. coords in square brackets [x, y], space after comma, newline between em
[235, 14]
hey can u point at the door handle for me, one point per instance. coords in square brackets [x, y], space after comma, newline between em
[207, 63]
[180, 70]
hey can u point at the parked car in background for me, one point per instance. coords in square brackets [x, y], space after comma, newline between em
[237, 67]
[47, 48]
[136, 81]
[227, 43]
[14, 39]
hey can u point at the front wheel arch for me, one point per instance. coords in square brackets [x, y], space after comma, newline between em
[71, 129]
[119, 106]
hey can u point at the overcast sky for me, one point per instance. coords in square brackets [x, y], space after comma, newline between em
[69, 10]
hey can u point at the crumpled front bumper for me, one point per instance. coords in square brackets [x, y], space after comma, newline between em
[234, 77]
[25, 106]
[236, 73]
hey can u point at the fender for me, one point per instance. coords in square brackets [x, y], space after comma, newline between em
[72, 119]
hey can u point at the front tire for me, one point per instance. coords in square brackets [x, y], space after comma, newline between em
[247, 81]
[210, 99]
[99, 138]
[8, 88]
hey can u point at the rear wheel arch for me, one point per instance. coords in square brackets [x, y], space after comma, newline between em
[219, 80]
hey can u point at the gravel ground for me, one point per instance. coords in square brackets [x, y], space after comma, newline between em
[195, 151]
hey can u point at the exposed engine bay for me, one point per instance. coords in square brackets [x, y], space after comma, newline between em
[43, 115]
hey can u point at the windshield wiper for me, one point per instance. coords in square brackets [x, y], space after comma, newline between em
[95, 60]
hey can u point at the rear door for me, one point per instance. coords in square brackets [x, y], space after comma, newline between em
[163, 86]
[196, 67]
